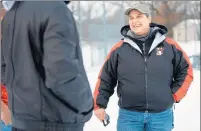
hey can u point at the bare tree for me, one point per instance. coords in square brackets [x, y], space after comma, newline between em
[168, 13]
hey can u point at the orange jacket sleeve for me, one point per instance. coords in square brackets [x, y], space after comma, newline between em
[4, 95]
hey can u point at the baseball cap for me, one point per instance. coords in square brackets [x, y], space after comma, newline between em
[144, 8]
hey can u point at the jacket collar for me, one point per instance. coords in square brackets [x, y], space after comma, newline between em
[8, 4]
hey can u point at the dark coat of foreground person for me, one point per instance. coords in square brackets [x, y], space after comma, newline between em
[42, 68]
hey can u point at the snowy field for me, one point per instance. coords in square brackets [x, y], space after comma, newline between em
[187, 112]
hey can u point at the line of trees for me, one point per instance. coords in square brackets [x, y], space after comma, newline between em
[169, 13]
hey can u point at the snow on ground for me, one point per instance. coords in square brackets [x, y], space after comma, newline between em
[187, 112]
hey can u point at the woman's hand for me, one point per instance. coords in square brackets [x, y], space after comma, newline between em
[5, 114]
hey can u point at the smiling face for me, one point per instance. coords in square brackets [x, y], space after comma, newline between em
[139, 22]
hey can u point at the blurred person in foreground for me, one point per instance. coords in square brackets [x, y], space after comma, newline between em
[5, 123]
[151, 73]
[42, 68]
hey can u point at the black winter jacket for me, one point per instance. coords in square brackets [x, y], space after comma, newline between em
[147, 80]
[42, 67]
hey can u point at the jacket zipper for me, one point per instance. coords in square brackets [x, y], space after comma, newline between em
[146, 90]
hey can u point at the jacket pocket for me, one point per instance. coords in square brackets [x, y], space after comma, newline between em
[172, 95]
[121, 96]
[120, 99]
[67, 115]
